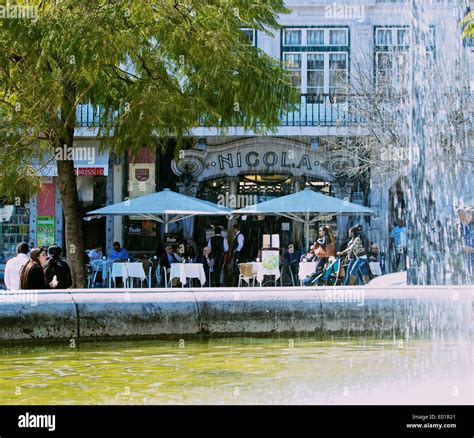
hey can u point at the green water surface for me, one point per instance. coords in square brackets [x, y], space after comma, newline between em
[238, 371]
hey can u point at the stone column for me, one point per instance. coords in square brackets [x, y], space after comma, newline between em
[58, 215]
[298, 227]
[342, 192]
[109, 200]
[233, 198]
[120, 166]
[379, 232]
[190, 190]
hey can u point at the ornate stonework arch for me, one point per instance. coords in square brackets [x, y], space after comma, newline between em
[262, 155]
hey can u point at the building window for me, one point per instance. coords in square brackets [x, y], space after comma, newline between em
[293, 37]
[250, 34]
[403, 37]
[315, 37]
[338, 37]
[319, 63]
[384, 37]
[315, 76]
[337, 74]
[323, 36]
[14, 229]
[392, 45]
[293, 64]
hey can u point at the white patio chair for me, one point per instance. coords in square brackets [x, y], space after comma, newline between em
[246, 274]
[168, 283]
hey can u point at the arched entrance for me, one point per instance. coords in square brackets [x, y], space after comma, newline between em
[252, 170]
[252, 189]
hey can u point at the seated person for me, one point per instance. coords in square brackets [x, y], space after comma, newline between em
[376, 256]
[207, 263]
[189, 251]
[96, 253]
[118, 254]
[169, 257]
[310, 256]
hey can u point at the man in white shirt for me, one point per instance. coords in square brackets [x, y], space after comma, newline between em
[14, 265]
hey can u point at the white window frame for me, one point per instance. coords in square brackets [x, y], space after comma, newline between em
[254, 34]
[394, 30]
[304, 36]
[393, 48]
[327, 37]
[304, 67]
[291, 29]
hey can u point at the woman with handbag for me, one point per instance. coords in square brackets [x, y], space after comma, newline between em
[324, 247]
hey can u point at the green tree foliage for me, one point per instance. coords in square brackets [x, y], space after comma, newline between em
[468, 22]
[155, 68]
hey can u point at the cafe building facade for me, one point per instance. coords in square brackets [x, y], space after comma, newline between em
[320, 47]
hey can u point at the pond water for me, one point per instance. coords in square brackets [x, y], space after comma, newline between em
[239, 371]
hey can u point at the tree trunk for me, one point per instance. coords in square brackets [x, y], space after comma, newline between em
[74, 250]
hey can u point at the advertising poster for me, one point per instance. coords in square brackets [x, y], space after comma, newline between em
[142, 181]
[45, 231]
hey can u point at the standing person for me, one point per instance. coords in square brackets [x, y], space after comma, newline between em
[365, 268]
[207, 261]
[237, 249]
[465, 224]
[219, 246]
[238, 245]
[14, 265]
[56, 266]
[357, 255]
[399, 238]
[324, 247]
[32, 274]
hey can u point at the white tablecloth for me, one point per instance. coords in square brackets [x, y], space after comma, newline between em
[260, 271]
[128, 270]
[305, 269]
[188, 270]
[135, 270]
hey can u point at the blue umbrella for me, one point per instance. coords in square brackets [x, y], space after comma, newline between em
[306, 206]
[165, 207]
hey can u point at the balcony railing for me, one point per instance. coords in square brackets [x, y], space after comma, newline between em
[321, 110]
[314, 110]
